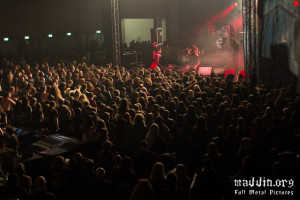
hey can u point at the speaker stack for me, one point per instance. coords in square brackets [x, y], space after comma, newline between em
[157, 31]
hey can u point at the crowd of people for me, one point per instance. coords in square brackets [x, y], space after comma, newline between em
[147, 134]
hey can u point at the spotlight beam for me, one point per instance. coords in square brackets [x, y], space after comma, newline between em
[221, 16]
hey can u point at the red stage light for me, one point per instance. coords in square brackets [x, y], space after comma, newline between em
[235, 4]
[221, 16]
[296, 3]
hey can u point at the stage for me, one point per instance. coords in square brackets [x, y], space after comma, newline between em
[215, 61]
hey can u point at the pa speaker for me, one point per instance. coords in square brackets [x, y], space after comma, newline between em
[157, 22]
[280, 55]
[157, 36]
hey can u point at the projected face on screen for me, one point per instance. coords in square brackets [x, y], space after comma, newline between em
[221, 36]
[219, 43]
[221, 33]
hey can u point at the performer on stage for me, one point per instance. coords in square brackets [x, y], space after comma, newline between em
[234, 47]
[156, 55]
[194, 52]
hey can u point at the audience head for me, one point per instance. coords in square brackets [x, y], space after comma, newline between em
[100, 173]
[158, 172]
[20, 169]
[59, 163]
[127, 164]
[171, 181]
[25, 182]
[40, 183]
[180, 170]
[143, 190]
[139, 119]
[12, 179]
[144, 145]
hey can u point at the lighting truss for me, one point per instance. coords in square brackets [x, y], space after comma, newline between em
[115, 32]
[250, 34]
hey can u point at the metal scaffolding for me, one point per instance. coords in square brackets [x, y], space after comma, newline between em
[250, 34]
[115, 32]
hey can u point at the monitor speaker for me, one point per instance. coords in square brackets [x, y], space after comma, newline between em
[205, 70]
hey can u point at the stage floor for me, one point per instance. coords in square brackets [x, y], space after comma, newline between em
[215, 69]
[219, 60]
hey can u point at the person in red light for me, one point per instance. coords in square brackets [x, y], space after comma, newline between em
[155, 45]
[194, 52]
[234, 47]
[156, 55]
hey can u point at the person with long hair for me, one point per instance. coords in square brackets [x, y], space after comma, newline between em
[26, 112]
[149, 119]
[183, 180]
[136, 133]
[125, 179]
[8, 80]
[201, 135]
[209, 183]
[143, 190]
[153, 131]
[156, 56]
[215, 157]
[181, 108]
[55, 91]
[65, 115]
[227, 118]
[268, 117]
[191, 117]
[100, 133]
[172, 191]
[156, 142]
[123, 108]
[235, 102]
[191, 96]
[51, 117]
[158, 178]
